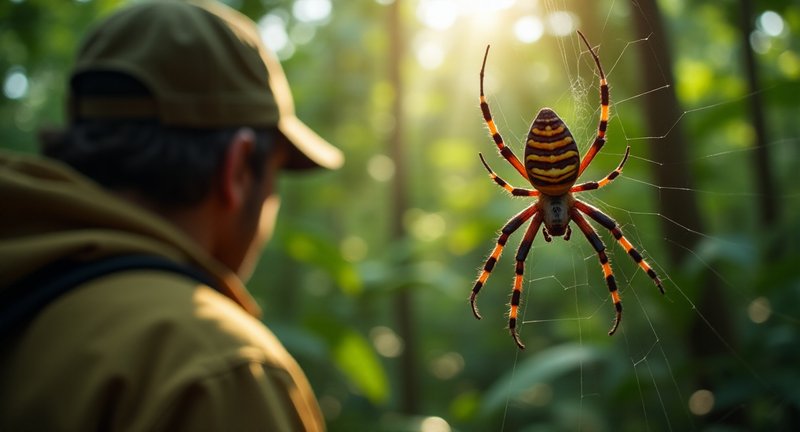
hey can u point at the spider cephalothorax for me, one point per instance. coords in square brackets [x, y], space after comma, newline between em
[552, 167]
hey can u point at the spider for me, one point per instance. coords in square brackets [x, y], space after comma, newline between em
[552, 168]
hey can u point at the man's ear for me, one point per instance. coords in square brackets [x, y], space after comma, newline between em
[236, 177]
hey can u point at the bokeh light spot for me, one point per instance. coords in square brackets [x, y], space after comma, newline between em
[701, 402]
[760, 42]
[561, 23]
[302, 33]
[771, 23]
[386, 342]
[15, 85]
[424, 226]
[353, 248]
[312, 10]
[434, 424]
[381, 168]
[759, 310]
[437, 14]
[447, 366]
[528, 29]
[430, 55]
[273, 32]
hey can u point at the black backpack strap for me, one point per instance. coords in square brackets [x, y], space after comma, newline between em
[30, 295]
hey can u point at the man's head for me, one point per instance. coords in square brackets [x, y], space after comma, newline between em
[179, 106]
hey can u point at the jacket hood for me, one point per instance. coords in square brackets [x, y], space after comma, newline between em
[50, 212]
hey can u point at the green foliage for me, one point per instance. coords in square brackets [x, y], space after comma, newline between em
[545, 367]
[329, 280]
[355, 358]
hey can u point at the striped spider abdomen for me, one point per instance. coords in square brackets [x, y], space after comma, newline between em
[551, 154]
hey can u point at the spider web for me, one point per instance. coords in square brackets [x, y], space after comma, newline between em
[670, 396]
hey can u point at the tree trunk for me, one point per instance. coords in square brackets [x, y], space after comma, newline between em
[767, 193]
[403, 302]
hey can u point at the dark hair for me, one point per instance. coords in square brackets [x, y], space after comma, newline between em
[172, 167]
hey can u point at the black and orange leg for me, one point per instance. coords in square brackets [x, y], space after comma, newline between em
[612, 226]
[522, 254]
[600, 248]
[605, 101]
[608, 179]
[503, 184]
[509, 228]
[498, 140]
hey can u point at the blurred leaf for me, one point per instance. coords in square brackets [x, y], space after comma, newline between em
[735, 249]
[465, 405]
[545, 366]
[354, 357]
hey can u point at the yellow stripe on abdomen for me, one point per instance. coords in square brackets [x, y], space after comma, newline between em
[551, 145]
[553, 175]
[548, 131]
[552, 157]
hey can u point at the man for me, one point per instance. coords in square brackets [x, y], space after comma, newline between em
[179, 123]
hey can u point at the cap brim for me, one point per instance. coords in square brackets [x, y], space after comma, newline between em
[308, 150]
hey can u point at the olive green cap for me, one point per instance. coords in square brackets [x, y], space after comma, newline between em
[206, 67]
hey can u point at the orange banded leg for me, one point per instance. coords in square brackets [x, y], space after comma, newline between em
[522, 254]
[503, 184]
[512, 225]
[600, 248]
[605, 101]
[611, 225]
[608, 179]
[505, 151]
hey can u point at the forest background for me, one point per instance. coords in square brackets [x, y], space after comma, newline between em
[377, 259]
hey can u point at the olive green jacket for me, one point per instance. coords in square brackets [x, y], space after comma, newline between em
[139, 350]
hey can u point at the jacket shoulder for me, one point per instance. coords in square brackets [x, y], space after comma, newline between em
[146, 341]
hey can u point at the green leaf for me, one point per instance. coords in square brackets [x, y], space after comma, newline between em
[354, 357]
[465, 405]
[545, 366]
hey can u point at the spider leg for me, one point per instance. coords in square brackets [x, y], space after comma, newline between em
[611, 225]
[503, 184]
[600, 248]
[512, 225]
[522, 254]
[600, 139]
[505, 151]
[606, 180]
